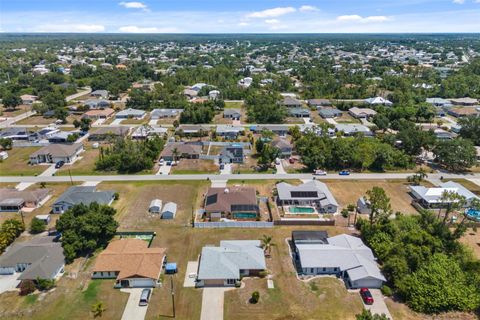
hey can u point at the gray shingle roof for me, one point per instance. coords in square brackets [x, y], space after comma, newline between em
[226, 261]
[86, 195]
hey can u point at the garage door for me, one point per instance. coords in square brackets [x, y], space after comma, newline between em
[141, 283]
[367, 283]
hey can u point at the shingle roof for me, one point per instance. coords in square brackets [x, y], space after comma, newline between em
[131, 258]
[86, 195]
[25, 195]
[58, 150]
[226, 261]
[319, 191]
[224, 199]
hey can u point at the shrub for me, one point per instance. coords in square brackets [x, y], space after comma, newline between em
[37, 226]
[262, 274]
[45, 284]
[387, 291]
[26, 287]
[116, 195]
[255, 297]
[345, 213]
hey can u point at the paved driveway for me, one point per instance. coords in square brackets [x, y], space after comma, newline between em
[378, 306]
[132, 310]
[279, 167]
[227, 169]
[212, 303]
[164, 169]
[49, 172]
[192, 267]
[8, 282]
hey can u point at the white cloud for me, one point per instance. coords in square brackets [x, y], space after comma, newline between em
[243, 24]
[459, 1]
[74, 28]
[133, 5]
[272, 13]
[307, 8]
[272, 21]
[360, 19]
[136, 29]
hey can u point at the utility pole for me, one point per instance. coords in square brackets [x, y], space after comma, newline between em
[173, 295]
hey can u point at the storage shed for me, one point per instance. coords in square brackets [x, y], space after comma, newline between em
[155, 206]
[169, 210]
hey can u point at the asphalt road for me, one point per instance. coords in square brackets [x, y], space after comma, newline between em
[153, 177]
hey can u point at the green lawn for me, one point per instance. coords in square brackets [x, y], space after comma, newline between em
[233, 105]
[17, 163]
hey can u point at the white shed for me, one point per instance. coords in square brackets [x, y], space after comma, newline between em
[155, 206]
[3, 155]
[43, 217]
[169, 210]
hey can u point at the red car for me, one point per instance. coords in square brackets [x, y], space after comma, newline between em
[366, 296]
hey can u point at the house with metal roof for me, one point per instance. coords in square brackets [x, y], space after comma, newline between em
[130, 113]
[181, 150]
[169, 210]
[96, 103]
[431, 198]
[82, 195]
[37, 258]
[319, 103]
[225, 265]
[106, 133]
[310, 194]
[344, 256]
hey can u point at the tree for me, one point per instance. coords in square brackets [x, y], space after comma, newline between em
[98, 309]
[379, 204]
[267, 244]
[45, 284]
[268, 154]
[26, 287]
[452, 202]
[6, 143]
[470, 128]
[11, 101]
[367, 315]
[255, 297]
[85, 124]
[456, 155]
[86, 228]
[37, 226]
[440, 285]
[175, 154]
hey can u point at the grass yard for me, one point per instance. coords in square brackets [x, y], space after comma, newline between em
[475, 188]
[233, 105]
[17, 163]
[348, 191]
[84, 166]
[39, 120]
[136, 121]
[194, 166]
[14, 112]
[472, 240]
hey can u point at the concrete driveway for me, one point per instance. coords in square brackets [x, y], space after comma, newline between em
[378, 306]
[9, 282]
[212, 303]
[49, 172]
[164, 169]
[192, 267]
[132, 310]
[227, 169]
[279, 167]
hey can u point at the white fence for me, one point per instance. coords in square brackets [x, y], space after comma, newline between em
[234, 224]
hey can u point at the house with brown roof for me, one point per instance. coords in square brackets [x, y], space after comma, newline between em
[361, 113]
[106, 133]
[464, 112]
[238, 203]
[181, 150]
[14, 200]
[131, 262]
[464, 101]
[54, 153]
[99, 114]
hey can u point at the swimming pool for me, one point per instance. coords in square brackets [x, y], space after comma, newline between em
[301, 210]
[474, 214]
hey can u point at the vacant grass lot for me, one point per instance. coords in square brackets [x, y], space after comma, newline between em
[17, 163]
[348, 192]
[194, 166]
[84, 166]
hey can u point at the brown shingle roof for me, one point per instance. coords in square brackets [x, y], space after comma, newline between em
[182, 148]
[222, 199]
[58, 150]
[131, 258]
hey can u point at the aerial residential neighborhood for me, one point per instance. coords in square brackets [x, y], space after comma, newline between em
[209, 161]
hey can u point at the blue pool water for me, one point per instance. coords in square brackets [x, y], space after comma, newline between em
[473, 214]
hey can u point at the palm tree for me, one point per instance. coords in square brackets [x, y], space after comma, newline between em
[422, 173]
[98, 309]
[175, 154]
[267, 244]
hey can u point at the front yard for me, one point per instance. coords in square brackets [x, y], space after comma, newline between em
[17, 163]
[194, 166]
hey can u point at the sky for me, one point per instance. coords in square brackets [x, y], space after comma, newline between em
[240, 16]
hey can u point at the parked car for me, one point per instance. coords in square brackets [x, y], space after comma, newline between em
[344, 173]
[169, 163]
[161, 162]
[222, 166]
[319, 173]
[144, 297]
[366, 296]
[59, 164]
[291, 160]
[277, 161]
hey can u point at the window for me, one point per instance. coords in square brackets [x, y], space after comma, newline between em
[312, 270]
[324, 269]
[231, 281]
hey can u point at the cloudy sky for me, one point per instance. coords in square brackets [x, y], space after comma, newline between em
[239, 16]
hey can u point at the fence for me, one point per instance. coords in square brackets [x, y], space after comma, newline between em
[234, 224]
[297, 222]
[144, 235]
[23, 144]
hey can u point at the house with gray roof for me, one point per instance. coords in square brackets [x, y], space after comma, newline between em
[165, 113]
[351, 129]
[344, 256]
[57, 152]
[233, 114]
[229, 131]
[82, 194]
[431, 198]
[38, 258]
[299, 112]
[329, 113]
[130, 113]
[225, 265]
[362, 113]
[97, 103]
[319, 103]
[311, 194]
[291, 102]
[13, 200]
[99, 94]
[285, 147]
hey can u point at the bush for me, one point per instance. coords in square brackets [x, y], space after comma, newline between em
[116, 195]
[255, 297]
[345, 213]
[26, 287]
[45, 284]
[387, 291]
[262, 274]
[37, 226]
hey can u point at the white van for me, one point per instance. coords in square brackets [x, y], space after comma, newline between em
[144, 297]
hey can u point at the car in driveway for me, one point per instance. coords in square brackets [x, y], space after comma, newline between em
[59, 164]
[366, 296]
[344, 173]
[144, 297]
[161, 162]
